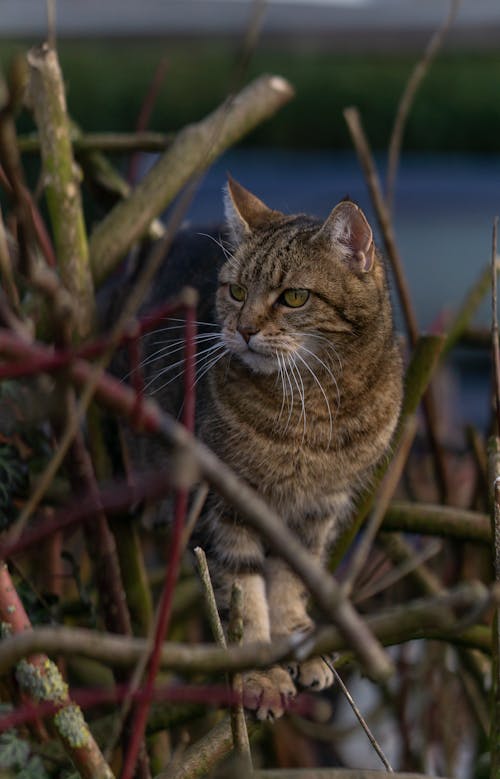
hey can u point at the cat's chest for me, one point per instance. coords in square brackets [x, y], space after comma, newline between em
[283, 460]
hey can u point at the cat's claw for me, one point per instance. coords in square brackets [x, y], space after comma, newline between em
[268, 693]
[312, 674]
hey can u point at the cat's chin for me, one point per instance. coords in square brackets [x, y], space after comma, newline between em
[259, 363]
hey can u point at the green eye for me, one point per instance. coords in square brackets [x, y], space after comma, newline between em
[294, 298]
[237, 293]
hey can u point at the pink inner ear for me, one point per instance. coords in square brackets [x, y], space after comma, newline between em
[356, 235]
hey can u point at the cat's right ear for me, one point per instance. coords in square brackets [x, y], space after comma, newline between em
[244, 212]
[347, 228]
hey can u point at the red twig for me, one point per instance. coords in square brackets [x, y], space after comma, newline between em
[165, 608]
[114, 499]
[52, 359]
[212, 695]
[145, 114]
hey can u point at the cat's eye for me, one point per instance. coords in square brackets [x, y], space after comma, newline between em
[237, 292]
[294, 298]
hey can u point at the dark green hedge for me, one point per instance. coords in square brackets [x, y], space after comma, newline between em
[457, 109]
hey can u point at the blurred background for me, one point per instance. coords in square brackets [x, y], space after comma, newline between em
[336, 53]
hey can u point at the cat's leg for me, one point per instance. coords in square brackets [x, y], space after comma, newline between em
[288, 614]
[288, 598]
[235, 553]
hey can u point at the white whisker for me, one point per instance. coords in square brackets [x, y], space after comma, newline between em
[298, 378]
[229, 256]
[200, 361]
[322, 392]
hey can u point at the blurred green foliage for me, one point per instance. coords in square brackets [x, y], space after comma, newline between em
[457, 108]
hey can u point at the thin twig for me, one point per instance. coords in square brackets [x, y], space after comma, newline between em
[51, 23]
[494, 736]
[464, 315]
[399, 572]
[200, 497]
[365, 157]
[420, 369]
[412, 85]
[176, 549]
[238, 721]
[109, 143]
[145, 113]
[208, 594]
[359, 716]
[387, 489]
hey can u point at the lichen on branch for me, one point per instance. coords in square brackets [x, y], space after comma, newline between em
[61, 179]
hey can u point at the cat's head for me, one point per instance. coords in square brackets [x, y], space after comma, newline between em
[292, 286]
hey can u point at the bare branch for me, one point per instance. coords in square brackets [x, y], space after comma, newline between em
[435, 520]
[192, 151]
[387, 489]
[421, 618]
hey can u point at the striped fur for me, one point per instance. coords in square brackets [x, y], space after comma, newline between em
[302, 403]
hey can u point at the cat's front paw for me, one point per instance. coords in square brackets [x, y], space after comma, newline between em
[268, 693]
[312, 674]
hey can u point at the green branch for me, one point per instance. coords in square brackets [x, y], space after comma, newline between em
[435, 520]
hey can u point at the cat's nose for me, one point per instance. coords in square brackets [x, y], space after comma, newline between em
[247, 332]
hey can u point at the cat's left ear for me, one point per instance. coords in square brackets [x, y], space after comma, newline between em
[244, 212]
[348, 228]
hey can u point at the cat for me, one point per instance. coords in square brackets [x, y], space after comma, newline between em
[300, 395]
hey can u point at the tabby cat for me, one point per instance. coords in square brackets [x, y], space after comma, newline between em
[300, 396]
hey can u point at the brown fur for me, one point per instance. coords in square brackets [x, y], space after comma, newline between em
[302, 403]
